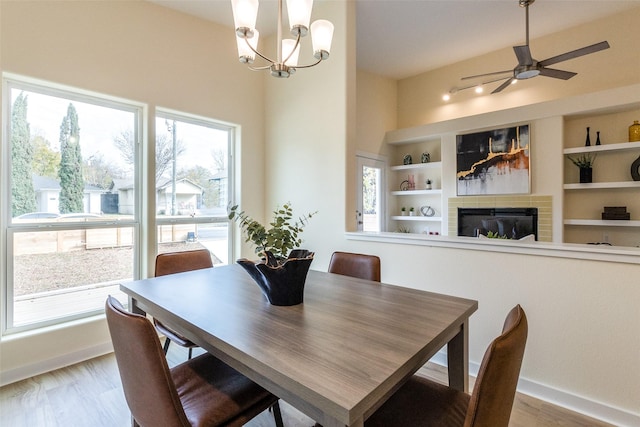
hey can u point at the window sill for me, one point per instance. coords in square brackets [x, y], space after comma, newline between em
[619, 254]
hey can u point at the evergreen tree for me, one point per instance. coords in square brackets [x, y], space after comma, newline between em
[23, 197]
[71, 181]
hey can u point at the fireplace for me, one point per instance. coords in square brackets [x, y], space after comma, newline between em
[514, 223]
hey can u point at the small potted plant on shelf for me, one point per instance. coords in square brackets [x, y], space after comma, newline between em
[585, 163]
[411, 211]
[403, 211]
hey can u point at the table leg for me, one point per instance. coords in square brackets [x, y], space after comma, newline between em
[458, 359]
[133, 307]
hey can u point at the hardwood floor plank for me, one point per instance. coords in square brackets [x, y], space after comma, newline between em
[90, 394]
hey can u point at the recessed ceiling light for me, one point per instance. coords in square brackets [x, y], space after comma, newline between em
[446, 97]
[479, 89]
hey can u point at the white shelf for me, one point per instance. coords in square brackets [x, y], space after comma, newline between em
[416, 192]
[623, 146]
[600, 185]
[603, 223]
[429, 165]
[417, 218]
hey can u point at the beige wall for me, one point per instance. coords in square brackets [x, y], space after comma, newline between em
[420, 96]
[142, 52]
[583, 314]
[307, 131]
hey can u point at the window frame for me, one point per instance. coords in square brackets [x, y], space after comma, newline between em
[169, 114]
[9, 228]
[377, 162]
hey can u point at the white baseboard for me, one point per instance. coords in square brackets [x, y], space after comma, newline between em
[572, 402]
[28, 371]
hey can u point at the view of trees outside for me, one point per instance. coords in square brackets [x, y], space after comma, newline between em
[370, 178]
[200, 159]
[70, 172]
[37, 121]
[23, 195]
[66, 157]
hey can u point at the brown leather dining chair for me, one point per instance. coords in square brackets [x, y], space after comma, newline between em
[179, 262]
[421, 402]
[355, 265]
[202, 391]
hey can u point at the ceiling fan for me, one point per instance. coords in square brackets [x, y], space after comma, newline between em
[528, 67]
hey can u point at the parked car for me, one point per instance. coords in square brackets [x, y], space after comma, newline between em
[38, 215]
[79, 215]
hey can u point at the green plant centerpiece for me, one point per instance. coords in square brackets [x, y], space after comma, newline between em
[282, 272]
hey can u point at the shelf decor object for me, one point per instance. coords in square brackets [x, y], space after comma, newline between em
[586, 175]
[634, 131]
[245, 14]
[616, 213]
[598, 138]
[587, 143]
[407, 159]
[425, 158]
[585, 163]
[635, 169]
[494, 162]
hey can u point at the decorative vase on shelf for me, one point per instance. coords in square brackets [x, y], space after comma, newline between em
[586, 175]
[634, 131]
[588, 141]
[598, 138]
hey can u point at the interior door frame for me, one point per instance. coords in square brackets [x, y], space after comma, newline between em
[379, 162]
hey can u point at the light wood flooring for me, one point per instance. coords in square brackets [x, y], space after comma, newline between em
[89, 394]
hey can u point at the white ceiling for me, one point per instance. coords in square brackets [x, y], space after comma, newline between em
[402, 38]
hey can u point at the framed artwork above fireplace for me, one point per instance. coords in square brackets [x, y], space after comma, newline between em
[494, 162]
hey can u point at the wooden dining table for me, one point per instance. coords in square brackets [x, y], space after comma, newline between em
[336, 357]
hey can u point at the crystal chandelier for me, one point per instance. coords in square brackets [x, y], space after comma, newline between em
[245, 13]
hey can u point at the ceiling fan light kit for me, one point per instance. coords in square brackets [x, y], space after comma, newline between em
[245, 14]
[528, 67]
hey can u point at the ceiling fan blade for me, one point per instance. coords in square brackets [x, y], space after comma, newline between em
[503, 85]
[524, 55]
[556, 74]
[495, 73]
[575, 53]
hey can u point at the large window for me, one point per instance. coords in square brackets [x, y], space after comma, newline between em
[71, 234]
[193, 184]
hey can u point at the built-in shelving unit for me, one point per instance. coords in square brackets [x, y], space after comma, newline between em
[623, 146]
[416, 192]
[417, 218]
[602, 185]
[420, 195]
[417, 166]
[612, 181]
[602, 223]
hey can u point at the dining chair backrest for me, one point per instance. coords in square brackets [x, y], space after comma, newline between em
[355, 265]
[179, 262]
[148, 387]
[495, 388]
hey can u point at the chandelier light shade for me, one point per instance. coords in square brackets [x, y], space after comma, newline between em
[245, 14]
[245, 52]
[299, 16]
[321, 36]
